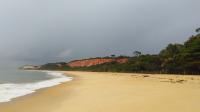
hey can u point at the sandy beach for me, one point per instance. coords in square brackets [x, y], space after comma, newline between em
[114, 92]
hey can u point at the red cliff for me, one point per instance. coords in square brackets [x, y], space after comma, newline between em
[96, 61]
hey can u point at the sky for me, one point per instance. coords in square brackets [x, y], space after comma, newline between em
[41, 31]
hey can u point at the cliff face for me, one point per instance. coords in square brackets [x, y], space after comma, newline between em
[97, 61]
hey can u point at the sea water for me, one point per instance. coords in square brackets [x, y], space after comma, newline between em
[16, 83]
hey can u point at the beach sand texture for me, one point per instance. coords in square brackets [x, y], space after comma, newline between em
[114, 92]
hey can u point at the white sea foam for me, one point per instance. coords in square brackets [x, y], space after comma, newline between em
[10, 91]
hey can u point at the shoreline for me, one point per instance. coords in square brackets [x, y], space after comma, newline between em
[93, 91]
[17, 90]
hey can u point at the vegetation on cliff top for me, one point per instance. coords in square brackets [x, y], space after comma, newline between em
[174, 59]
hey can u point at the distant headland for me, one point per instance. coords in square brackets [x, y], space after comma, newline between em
[174, 59]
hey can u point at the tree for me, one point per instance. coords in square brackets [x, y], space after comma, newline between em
[113, 56]
[169, 57]
[137, 53]
[171, 50]
[198, 30]
[190, 55]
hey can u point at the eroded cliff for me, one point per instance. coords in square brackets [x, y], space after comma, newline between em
[96, 61]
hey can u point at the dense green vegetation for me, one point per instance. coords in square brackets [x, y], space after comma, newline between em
[174, 59]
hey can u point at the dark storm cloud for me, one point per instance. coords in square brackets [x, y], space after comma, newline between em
[39, 31]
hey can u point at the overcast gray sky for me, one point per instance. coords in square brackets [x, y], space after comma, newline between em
[40, 31]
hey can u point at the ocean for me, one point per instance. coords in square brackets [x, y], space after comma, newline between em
[16, 83]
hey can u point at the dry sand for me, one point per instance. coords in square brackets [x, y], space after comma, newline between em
[114, 92]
